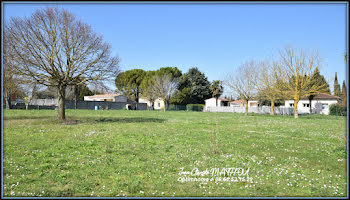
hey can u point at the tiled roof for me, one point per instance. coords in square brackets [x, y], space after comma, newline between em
[223, 99]
[98, 96]
[238, 101]
[322, 96]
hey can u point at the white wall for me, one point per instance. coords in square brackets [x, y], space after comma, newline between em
[212, 103]
[158, 103]
[316, 106]
[87, 98]
[142, 100]
[243, 104]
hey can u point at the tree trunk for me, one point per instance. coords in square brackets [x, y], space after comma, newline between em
[76, 93]
[272, 107]
[26, 102]
[246, 108]
[164, 105]
[8, 101]
[310, 99]
[296, 101]
[61, 103]
[216, 101]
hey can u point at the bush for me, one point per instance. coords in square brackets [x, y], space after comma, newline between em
[195, 107]
[176, 107]
[337, 109]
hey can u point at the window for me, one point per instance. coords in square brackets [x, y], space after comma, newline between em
[324, 106]
[159, 104]
[291, 105]
[306, 105]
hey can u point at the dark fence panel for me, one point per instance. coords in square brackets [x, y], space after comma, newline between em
[104, 105]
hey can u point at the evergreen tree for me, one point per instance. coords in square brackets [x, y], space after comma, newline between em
[343, 93]
[198, 85]
[319, 80]
[217, 89]
[337, 91]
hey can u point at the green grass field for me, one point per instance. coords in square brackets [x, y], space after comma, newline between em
[140, 153]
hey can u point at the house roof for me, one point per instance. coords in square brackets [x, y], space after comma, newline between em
[223, 99]
[99, 96]
[238, 101]
[322, 96]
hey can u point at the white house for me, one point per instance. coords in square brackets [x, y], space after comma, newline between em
[319, 105]
[107, 97]
[212, 102]
[158, 103]
[241, 103]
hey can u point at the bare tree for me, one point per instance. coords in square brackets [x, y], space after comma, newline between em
[54, 48]
[243, 82]
[295, 74]
[164, 86]
[267, 82]
[10, 79]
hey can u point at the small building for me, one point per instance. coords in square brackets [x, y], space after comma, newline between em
[319, 105]
[107, 97]
[241, 103]
[157, 104]
[212, 102]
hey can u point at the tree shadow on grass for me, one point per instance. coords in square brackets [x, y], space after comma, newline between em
[24, 117]
[119, 120]
[77, 120]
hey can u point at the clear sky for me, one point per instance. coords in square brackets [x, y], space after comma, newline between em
[216, 38]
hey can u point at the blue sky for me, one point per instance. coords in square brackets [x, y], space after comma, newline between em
[216, 38]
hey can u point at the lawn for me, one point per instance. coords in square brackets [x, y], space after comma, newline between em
[140, 153]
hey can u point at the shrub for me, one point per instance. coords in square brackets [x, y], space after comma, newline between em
[195, 107]
[337, 109]
[176, 107]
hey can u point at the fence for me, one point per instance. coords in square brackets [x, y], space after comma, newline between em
[70, 104]
[104, 105]
[44, 102]
[188, 107]
[281, 110]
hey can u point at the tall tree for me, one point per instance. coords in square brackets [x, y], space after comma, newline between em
[172, 71]
[199, 85]
[164, 86]
[295, 74]
[337, 91]
[217, 89]
[182, 97]
[54, 48]
[11, 81]
[344, 93]
[147, 88]
[320, 81]
[128, 83]
[243, 82]
[267, 83]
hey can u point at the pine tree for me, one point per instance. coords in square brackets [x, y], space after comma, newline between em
[337, 91]
[343, 93]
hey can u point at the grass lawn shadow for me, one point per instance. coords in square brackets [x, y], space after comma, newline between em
[119, 119]
[23, 117]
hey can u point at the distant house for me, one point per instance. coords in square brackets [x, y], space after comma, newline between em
[212, 102]
[319, 105]
[241, 103]
[157, 104]
[107, 97]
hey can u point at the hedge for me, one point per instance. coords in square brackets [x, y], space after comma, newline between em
[337, 109]
[195, 107]
[176, 107]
